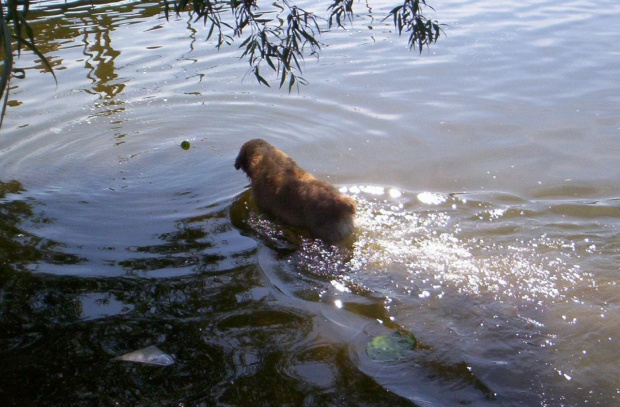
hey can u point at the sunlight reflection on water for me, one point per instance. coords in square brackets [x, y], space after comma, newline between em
[426, 246]
[424, 254]
[435, 251]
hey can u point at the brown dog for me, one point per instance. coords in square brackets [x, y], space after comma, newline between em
[286, 191]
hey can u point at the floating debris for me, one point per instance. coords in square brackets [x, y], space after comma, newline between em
[151, 355]
[392, 347]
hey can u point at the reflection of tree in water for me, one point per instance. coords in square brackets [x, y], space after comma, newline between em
[101, 55]
[53, 29]
[187, 247]
[233, 339]
[249, 354]
[199, 244]
[229, 337]
[92, 26]
[21, 251]
[18, 248]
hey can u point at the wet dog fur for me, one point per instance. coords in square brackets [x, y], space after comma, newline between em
[283, 189]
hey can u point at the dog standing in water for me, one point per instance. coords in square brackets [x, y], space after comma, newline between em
[283, 189]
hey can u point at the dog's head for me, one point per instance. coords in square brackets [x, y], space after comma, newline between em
[250, 156]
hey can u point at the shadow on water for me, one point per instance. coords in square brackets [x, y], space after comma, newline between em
[59, 334]
[244, 326]
[254, 312]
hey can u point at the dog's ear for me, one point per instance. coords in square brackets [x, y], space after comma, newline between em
[241, 162]
[251, 155]
[249, 162]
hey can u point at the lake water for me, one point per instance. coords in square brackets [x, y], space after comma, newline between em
[486, 175]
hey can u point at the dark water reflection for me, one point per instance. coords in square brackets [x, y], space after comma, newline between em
[233, 343]
[254, 333]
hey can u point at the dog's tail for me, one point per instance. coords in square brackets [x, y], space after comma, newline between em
[336, 231]
[340, 224]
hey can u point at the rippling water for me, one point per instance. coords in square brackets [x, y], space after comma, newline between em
[485, 171]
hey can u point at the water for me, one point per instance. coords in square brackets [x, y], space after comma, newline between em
[485, 172]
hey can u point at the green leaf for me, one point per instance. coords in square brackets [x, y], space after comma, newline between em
[270, 63]
[283, 78]
[44, 60]
[291, 83]
[260, 78]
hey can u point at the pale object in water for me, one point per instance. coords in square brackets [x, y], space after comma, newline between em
[150, 355]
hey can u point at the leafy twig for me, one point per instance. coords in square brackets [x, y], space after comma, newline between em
[408, 17]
